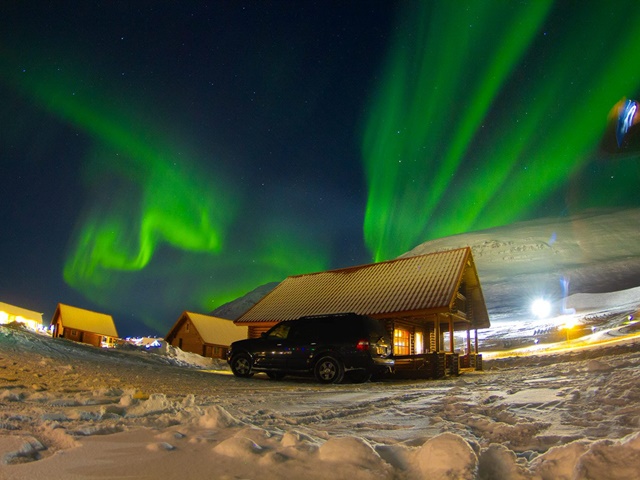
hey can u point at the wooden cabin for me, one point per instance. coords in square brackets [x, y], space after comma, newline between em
[84, 326]
[422, 301]
[205, 335]
[29, 318]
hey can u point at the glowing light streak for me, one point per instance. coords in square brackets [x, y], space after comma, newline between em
[626, 120]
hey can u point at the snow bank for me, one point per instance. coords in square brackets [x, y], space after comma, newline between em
[446, 456]
[352, 451]
[614, 460]
[217, 417]
[236, 449]
[187, 359]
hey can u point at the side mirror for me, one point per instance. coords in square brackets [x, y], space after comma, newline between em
[263, 334]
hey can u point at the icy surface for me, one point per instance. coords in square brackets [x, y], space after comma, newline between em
[68, 409]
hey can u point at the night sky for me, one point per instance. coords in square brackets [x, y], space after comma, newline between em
[166, 156]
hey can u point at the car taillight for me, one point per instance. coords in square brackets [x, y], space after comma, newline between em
[363, 345]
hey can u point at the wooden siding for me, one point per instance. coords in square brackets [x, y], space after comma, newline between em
[81, 336]
[256, 330]
[186, 338]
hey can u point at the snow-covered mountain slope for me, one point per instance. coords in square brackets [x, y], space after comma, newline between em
[233, 309]
[594, 252]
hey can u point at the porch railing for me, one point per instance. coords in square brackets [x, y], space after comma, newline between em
[435, 365]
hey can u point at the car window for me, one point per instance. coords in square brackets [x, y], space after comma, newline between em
[375, 328]
[315, 330]
[280, 331]
[304, 331]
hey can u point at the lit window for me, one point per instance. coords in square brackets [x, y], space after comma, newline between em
[401, 342]
[419, 343]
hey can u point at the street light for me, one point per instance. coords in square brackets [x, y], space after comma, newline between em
[568, 325]
[541, 308]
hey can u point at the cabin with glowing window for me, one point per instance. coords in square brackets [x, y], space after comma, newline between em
[84, 326]
[205, 335]
[28, 318]
[424, 302]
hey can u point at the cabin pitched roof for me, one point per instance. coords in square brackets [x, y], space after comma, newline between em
[85, 320]
[212, 330]
[20, 312]
[403, 287]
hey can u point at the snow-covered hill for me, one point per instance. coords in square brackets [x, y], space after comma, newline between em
[232, 310]
[595, 252]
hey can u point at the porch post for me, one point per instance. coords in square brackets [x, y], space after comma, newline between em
[476, 339]
[437, 332]
[451, 343]
[468, 352]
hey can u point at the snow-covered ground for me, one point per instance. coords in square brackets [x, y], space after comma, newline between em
[70, 411]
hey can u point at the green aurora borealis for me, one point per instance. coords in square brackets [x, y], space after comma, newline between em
[469, 115]
[481, 116]
[143, 193]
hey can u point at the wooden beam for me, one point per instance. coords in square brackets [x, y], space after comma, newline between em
[451, 342]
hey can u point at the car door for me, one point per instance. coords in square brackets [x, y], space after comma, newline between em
[273, 348]
[302, 345]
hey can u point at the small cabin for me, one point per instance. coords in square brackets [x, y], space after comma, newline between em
[430, 305]
[84, 326]
[205, 335]
[28, 318]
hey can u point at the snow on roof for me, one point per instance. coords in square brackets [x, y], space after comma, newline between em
[86, 320]
[405, 286]
[20, 312]
[214, 330]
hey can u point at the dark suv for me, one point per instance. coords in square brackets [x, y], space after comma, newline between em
[329, 346]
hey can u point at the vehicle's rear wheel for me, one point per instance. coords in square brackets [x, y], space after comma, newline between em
[276, 375]
[329, 370]
[359, 376]
[377, 376]
[241, 365]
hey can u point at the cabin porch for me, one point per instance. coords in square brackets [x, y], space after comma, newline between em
[427, 347]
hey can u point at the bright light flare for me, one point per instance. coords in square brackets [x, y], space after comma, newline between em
[541, 308]
[569, 323]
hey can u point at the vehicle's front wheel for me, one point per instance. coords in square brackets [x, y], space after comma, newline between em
[329, 370]
[241, 365]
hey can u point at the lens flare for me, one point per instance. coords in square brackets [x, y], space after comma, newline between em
[541, 308]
